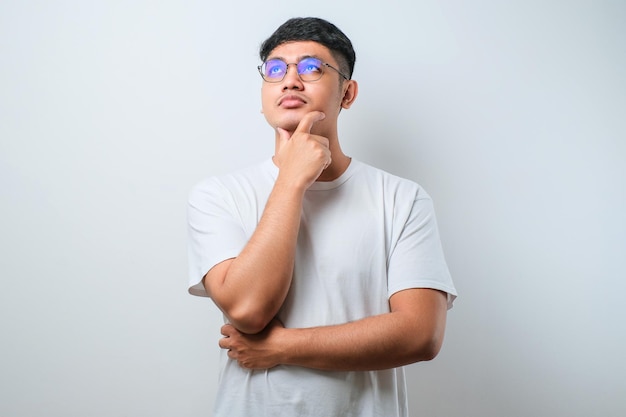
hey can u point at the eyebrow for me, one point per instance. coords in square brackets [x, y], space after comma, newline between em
[300, 58]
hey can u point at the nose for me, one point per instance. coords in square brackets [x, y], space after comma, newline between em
[292, 80]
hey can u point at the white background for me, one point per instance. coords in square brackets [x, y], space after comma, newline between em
[511, 114]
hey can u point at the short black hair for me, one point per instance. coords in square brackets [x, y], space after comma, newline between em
[317, 30]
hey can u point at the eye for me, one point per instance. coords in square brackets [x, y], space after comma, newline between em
[275, 68]
[309, 66]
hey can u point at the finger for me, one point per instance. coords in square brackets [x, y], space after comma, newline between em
[224, 343]
[227, 330]
[309, 119]
[283, 134]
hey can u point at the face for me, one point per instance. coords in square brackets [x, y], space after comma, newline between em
[286, 102]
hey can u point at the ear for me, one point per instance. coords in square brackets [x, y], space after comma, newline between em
[351, 90]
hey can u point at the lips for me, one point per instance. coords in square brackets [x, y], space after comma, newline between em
[291, 101]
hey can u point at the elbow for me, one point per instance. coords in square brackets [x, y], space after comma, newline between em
[427, 349]
[249, 320]
[431, 350]
[247, 314]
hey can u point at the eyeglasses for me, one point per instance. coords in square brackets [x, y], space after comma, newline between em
[309, 69]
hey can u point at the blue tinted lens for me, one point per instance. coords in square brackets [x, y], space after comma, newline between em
[274, 68]
[310, 66]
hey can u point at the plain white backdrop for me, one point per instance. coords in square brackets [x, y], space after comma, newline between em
[511, 115]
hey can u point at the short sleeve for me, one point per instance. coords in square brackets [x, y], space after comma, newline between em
[417, 259]
[215, 232]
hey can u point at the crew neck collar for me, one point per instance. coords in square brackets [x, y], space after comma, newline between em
[321, 185]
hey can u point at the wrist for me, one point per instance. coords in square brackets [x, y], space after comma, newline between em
[291, 185]
[293, 347]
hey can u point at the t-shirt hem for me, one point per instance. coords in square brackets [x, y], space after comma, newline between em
[196, 287]
[434, 285]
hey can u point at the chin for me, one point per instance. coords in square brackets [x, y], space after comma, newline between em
[288, 123]
[290, 127]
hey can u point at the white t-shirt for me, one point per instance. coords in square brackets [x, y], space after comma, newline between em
[362, 238]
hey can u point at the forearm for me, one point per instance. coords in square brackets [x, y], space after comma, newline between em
[412, 332]
[251, 288]
[379, 342]
[254, 285]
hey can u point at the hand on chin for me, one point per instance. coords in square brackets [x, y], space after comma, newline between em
[291, 120]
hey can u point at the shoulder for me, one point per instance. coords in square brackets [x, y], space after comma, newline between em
[390, 183]
[243, 180]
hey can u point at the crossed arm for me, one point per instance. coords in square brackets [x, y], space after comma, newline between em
[413, 331]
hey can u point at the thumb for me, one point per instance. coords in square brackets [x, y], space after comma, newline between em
[307, 122]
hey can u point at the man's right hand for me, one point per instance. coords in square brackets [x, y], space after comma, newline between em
[301, 156]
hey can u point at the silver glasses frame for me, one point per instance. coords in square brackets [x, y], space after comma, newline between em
[277, 80]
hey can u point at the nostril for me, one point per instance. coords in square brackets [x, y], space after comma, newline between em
[291, 86]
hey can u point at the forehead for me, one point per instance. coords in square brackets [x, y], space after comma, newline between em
[293, 51]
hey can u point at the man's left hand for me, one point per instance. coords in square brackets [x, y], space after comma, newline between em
[253, 351]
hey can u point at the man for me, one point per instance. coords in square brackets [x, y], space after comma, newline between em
[329, 272]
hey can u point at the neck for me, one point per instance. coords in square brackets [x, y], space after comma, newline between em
[338, 166]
